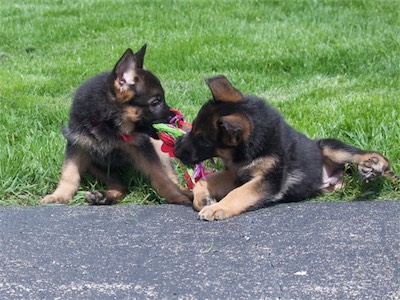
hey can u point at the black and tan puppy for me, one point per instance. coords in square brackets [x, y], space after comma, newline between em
[110, 130]
[265, 159]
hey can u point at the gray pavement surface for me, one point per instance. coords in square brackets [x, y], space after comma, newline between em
[288, 251]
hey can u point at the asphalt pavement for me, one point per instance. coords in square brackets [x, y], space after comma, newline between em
[289, 251]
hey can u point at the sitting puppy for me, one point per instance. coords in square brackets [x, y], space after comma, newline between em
[110, 129]
[265, 159]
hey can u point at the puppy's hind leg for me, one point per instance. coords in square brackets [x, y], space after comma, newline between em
[115, 188]
[336, 155]
[75, 163]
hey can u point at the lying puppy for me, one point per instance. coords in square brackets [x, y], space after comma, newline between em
[110, 130]
[265, 159]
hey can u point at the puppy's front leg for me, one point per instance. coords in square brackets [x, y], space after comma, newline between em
[158, 167]
[234, 203]
[215, 187]
[76, 162]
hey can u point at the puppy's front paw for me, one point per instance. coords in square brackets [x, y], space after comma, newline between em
[182, 200]
[188, 193]
[374, 166]
[214, 212]
[53, 199]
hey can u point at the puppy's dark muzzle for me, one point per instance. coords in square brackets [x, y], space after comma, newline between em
[183, 150]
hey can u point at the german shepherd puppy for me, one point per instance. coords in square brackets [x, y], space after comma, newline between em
[265, 159]
[110, 129]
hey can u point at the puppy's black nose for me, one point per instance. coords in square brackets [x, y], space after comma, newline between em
[178, 148]
[182, 151]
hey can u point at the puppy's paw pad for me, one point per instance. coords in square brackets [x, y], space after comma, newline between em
[372, 167]
[96, 198]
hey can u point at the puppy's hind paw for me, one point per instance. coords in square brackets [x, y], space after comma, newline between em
[373, 167]
[98, 198]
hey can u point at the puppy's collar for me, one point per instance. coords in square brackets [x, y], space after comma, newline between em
[97, 125]
[126, 138]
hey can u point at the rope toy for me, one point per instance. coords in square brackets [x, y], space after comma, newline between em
[168, 134]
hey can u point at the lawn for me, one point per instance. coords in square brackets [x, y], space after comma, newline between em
[331, 67]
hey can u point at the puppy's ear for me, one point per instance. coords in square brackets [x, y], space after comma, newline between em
[124, 76]
[139, 56]
[124, 70]
[222, 90]
[234, 129]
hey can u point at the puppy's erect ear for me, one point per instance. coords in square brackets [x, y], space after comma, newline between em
[125, 67]
[124, 76]
[222, 90]
[124, 70]
[234, 129]
[139, 56]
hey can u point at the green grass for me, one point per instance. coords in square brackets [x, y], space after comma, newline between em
[331, 67]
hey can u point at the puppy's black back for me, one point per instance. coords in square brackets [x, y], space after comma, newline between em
[301, 158]
[297, 175]
[92, 104]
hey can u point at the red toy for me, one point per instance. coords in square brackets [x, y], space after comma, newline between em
[168, 133]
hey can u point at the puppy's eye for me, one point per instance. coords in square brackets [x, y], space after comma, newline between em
[156, 102]
[202, 142]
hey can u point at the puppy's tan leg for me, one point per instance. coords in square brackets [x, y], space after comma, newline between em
[371, 164]
[215, 187]
[235, 202]
[164, 186]
[115, 188]
[74, 165]
[157, 166]
[169, 168]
